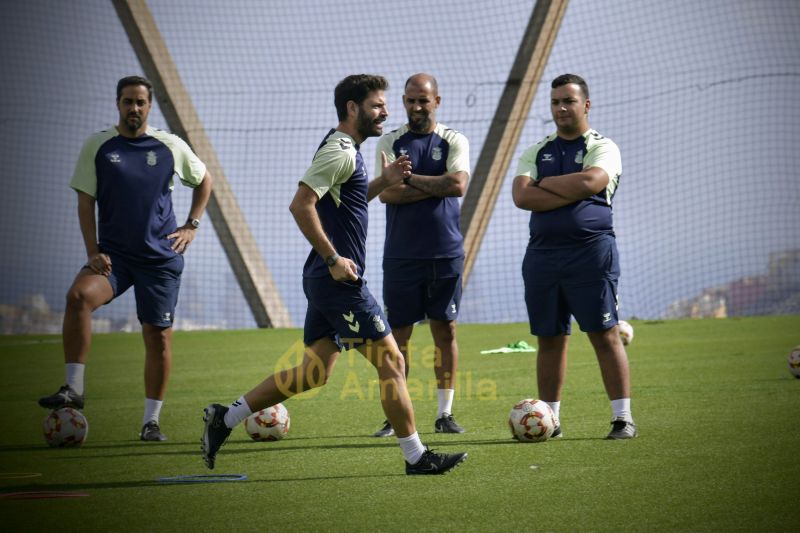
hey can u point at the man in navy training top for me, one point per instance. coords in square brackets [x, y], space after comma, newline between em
[330, 208]
[423, 257]
[571, 265]
[135, 241]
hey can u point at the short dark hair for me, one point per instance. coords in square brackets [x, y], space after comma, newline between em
[127, 81]
[566, 79]
[356, 88]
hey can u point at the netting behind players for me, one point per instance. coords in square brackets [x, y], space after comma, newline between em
[697, 96]
[706, 214]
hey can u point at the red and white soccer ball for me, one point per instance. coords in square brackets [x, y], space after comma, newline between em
[794, 361]
[531, 421]
[625, 332]
[268, 424]
[65, 427]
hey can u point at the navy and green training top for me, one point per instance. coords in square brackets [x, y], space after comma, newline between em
[132, 182]
[339, 178]
[429, 228]
[582, 221]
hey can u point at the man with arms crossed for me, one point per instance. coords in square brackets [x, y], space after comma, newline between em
[330, 208]
[128, 172]
[571, 265]
[423, 255]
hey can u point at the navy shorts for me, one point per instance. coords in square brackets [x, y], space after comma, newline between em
[417, 288]
[344, 311]
[155, 287]
[581, 282]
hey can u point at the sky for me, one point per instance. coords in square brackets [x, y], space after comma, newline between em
[698, 96]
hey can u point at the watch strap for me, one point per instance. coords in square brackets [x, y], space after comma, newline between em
[331, 259]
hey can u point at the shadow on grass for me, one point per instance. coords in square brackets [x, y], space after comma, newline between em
[496, 442]
[99, 485]
[136, 448]
[108, 445]
[94, 446]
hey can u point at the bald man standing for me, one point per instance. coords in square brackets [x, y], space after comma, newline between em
[423, 257]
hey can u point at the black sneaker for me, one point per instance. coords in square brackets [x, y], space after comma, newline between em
[152, 433]
[65, 397]
[435, 463]
[214, 433]
[447, 424]
[622, 429]
[386, 431]
[557, 433]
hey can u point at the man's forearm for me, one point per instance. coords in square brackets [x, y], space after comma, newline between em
[310, 226]
[200, 196]
[402, 194]
[532, 198]
[88, 223]
[578, 185]
[376, 187]
[440, 186]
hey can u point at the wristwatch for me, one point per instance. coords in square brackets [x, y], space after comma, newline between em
[331, 259]
[195, 222]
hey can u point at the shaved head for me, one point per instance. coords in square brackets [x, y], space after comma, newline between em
[423, 80]
[421, 98]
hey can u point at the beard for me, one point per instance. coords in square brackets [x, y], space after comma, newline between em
[133, 122]
[367, 127]
[419, 124]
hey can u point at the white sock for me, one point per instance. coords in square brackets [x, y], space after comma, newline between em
[412, 447]
[622, 409]
[74, 372]
[556, 407]
[445, 402]
[152, 410]
[238, 411]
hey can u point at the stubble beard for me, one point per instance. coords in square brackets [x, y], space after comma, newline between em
[419, 125]
[133, 123]
[366, 127]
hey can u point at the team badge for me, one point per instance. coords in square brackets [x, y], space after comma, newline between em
[579, 157]
[151, 158]
[380, 327]
[547, 158]
[114, 157]
[436, 154]
[403, 151]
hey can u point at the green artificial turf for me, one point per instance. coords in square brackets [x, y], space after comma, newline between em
[716, 407]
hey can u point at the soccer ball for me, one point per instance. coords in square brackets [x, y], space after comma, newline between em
[531, 421]
[270, 424]
[794, 362]
[625, 332]
[65, 427]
